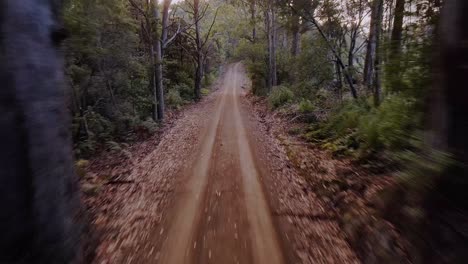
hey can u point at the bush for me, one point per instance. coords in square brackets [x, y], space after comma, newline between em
[306, 106]
[357, 126]
[390, 125]
[150, 125]
[174, 99]
[280, 96]
[205, 91]
[185, 91]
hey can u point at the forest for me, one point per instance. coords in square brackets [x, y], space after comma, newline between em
[353, 79]
[356, 71]
[236, 131]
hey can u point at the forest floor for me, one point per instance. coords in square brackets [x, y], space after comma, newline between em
[223, 183]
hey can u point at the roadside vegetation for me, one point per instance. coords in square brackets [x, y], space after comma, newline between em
[355, 79]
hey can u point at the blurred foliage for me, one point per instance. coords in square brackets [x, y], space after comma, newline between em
[280, 96]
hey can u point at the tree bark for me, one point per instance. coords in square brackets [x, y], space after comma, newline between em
[253, 20]
[394, 57]
[446, 205]
[199, 56]
[159, 91]
[39, 193]
[377, 85]
[296, 36]
[352, 45]
[397, 28]
[271, 36]
[377, 7]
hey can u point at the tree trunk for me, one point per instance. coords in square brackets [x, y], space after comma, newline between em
[271, 35]
[394, 65]
[274, 35]
[159, 91]
[165, 23]
[377, 85]
[446, 204]
[377, 5]
[253, 20]
[296, 37]
[199, 57]
[39, 193]
[153, 82]
[352, 46]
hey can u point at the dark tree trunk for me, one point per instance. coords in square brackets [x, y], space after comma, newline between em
[253, 20]
[376, 83]
[447, 203]
[397, 28]
[159, 92]
[296, 35]
[271, 36]
[352, 46]
[39, 190]
[369, 66]
[394, 57]
[199, 57]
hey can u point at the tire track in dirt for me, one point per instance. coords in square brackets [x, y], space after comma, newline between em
[221, 214]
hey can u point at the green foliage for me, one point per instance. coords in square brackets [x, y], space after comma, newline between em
[390, 125]
[254, 55]
[422, 168]
[306, 106]
[356, 126]
[174, 99]
[205, 91]
[280, 96]
[150, 125]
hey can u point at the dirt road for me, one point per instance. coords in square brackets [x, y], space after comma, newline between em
[221, 214]
[218, 188]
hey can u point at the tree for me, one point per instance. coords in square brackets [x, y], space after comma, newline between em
[309, 17]
[198, 11]
[270, 28]
[394, 58]
[39, 191]
[371, 70]
[446, 205]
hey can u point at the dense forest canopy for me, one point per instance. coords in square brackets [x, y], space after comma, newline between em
[345, 63]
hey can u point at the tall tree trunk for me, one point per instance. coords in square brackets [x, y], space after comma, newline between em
[369, 67]
[352, 46]
[39, 194]
[153, 82]
[269, 41]
[446, 204]
[296, 36]
[377, 5]
[274, 42]
[394, 69]
[199, 57]
[159, 93]
[271, 36]
[376, 83]
[253, 20]
[165, 23]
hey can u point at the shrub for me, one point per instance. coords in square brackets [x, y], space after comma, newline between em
[306, 106]
[174, 99]
[150, 125]
[280, 96]
[390, 125]
[185, 91]
[205, 91]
